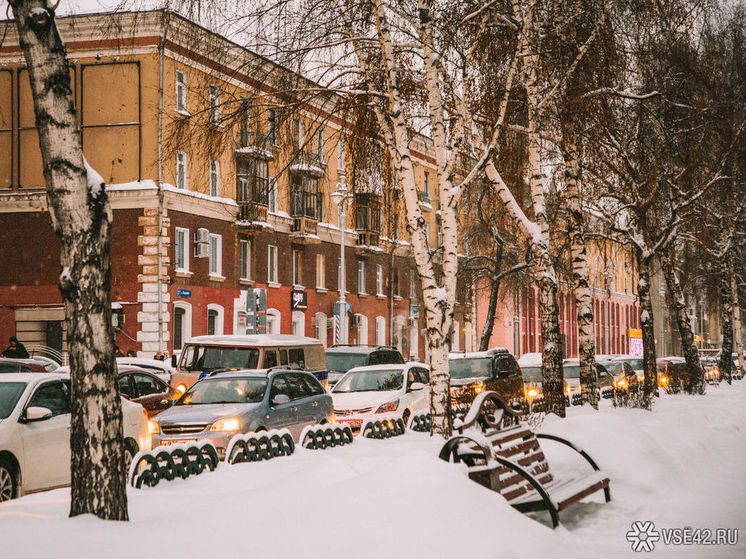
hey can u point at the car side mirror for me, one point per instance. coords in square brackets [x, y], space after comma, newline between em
[280, 399]
[37, 413]
[416, 386]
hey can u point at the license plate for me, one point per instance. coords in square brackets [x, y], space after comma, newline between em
[353, 423]
[176, 441]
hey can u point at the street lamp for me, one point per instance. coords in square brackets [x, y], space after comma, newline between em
[339, 197]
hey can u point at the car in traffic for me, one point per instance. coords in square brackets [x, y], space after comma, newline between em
[475, 372]
[202, 355]
[162, 369]
[363, 392]
[13, 365]
[145, 388]
[226, 403]
[35, 432]
[532, 380]
[341, 358]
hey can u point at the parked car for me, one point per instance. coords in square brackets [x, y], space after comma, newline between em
[35, 432]
[225, 403]
[342, 358]
[8, 365]
[364, 392]
[495, 369]
[673, 374]
[635, 363]
[146, 388]
[161, 368]
[202, 355]
[571, 373]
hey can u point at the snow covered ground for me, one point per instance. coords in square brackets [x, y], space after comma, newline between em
[680, 466]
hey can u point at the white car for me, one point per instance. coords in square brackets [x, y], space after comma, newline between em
[392, 389]
[35, 432]
[162, 369]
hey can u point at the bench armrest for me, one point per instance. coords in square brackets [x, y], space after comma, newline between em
[565, 442]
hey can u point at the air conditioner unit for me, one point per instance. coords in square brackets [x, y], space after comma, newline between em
[357, 319]
[202, 235]
[201, 250]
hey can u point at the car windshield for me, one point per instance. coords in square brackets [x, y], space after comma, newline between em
[225, 391]
[472, 367]
[636, 364]
[370, 381]
[343, 362]
[209, 358]
[571, 371]
[9, 394]
[531, 374]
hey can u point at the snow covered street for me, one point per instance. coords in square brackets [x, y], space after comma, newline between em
[680, 466]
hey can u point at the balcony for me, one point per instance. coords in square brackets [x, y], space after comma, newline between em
[304, 231]
[305, 210]
[252, 216]
[254, 145]
[423, 199]
[368, 223]
[309, 163]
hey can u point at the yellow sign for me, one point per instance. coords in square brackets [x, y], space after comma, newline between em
[697, 339]
[634, 333]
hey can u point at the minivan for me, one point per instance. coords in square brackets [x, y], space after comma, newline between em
[202, 355]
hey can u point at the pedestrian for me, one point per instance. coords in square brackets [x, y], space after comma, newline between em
[118, 352]
[131, 353]
[16, 349]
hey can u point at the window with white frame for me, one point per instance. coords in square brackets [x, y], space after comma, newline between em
[181, 249]
[297, 267]
[215, 319]
[214, 105]
[182, 328]
[380, 330]
[216, 255]
[182, 179]
[274, 319]
[272, 264]
[379, 279]
[271, 127]
[272, 195]
[244, 259]
[214, 178]
[320, 271]
[340, 153]
[181, 91]
[297, 133]
[361, 276]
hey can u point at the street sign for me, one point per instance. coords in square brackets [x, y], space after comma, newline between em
[414, 311]
[184, 293]
[256, 311]
[298, 300]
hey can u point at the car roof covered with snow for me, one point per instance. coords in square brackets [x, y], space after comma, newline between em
[258, 340]
[477, 354]
[31, 377]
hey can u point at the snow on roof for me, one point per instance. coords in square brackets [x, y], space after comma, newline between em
[256, 340]
[530, 360]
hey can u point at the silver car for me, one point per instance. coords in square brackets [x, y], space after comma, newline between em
[223, 404]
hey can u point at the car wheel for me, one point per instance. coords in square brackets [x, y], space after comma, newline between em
[8, 488]
[405, 417]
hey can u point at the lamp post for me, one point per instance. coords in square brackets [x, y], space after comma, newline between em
[339, 197]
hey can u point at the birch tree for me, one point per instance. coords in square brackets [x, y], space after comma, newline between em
[81, 218]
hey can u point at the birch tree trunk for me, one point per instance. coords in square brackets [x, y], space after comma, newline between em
[648, 331]
[81, 218]
[725, 363]
[737, 334]
[691, 353]
[489, 323]
[581, 289]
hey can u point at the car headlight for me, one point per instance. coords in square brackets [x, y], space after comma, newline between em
[479, 387]
[181, 388]
[226, 424]
[531, 392]
[388, 407]
[621, 383]
[153, 428]
[663, 381]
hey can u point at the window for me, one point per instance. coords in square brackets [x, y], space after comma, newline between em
[243, 185]
[298, 324]
[215, 315]
[181, 170]
[244, 259]
[380, 330]
[320, 144]
[361, 276]
[214, 178]
[245, 122]
[297, 134]
[395, 283]
[272, 195]
[147, 385]
[272, 264]
[320, 271]
[412, 285]
[181, 249]
[296, 358]
[214, 105]
[271, 127]
[181, 92]
[182, 323]
[379, 279]
[261, 181]
[216, 256]
[426, 186]
[53, 396]
[212, 317]
[304, 196]
[124, 386]
[297, 268]
[341, 154]
[274, 318]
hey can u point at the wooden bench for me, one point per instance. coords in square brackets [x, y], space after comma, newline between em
[505, 456]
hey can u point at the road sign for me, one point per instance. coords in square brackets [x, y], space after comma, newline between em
[184, 293]
[256, 311]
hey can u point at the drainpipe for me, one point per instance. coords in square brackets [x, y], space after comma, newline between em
[159, 281]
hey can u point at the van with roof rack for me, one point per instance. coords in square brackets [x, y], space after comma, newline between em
[340, 358]
[202, 355]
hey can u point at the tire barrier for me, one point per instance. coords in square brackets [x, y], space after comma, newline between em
[383, 427]
[258, 446]
[317, 437]
[170, 462]
[420, 423]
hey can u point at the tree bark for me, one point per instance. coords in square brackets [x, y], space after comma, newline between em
[581, 288]
[691, 353]
[489, 324]
[737, 334]
[725, 363]
[648, 331]
[81, 218]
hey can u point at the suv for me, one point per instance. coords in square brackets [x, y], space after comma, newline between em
[495, 369]
[342, 358]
